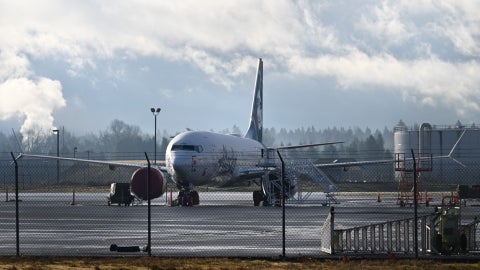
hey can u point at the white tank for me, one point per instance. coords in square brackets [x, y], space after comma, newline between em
[403, 143]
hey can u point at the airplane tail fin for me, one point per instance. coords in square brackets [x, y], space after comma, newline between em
[255, 129]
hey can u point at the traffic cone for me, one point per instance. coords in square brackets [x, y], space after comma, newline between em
[378, 198]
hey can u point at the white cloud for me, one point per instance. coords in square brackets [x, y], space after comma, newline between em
[461, 24]
[386, 25]
[428, 49]
[431, 80]
[13, 65]
[34, 101]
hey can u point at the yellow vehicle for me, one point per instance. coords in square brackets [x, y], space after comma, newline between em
[450, 237]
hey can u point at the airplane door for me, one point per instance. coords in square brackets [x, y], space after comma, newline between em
[194, 163]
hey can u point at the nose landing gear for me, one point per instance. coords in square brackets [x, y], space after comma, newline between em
[187, 198]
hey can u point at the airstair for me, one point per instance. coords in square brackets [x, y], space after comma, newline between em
[297, 171]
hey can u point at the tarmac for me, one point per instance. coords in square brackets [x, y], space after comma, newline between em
[225, 224]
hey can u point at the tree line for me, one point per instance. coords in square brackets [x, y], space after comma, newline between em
[124, 141]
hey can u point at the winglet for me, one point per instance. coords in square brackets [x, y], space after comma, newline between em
[455, 147]
[255, 129]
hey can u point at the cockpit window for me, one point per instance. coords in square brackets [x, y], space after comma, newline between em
[186, 147]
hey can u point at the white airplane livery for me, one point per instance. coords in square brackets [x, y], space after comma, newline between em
[196, 158]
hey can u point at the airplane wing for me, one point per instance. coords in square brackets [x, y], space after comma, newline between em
[336, 164]
[393, 161]
[110, 164]
[383, 161]
[360, 163]
[248, 173]
[305, 145]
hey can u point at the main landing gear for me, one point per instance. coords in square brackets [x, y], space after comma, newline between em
[270, 193]
[259, 197]
[187, 198]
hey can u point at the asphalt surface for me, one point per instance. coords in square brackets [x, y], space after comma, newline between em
[225, 224]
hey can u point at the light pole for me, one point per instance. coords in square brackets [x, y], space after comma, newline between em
[56, 131]
[155, 113]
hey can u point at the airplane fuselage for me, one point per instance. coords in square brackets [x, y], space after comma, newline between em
[196, 158]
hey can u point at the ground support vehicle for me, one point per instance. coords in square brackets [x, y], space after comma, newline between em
[450, 236]
[120, 194]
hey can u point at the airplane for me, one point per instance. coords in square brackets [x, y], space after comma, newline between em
[199, 158]
[196, 158]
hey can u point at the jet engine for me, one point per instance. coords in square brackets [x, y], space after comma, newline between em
[138, 183]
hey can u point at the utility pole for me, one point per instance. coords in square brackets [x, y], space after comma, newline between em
[155, 113]
[56, 131]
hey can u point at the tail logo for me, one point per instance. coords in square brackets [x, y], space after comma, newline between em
[255, 129]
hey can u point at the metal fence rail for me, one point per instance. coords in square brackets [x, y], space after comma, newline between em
[394, 237]
[391, 236]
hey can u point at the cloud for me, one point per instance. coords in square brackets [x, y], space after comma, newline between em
[13, 65]
[33, 100]
[460, 24]
[426, 49]
[432, 80]
[386, 25]
[23, 95]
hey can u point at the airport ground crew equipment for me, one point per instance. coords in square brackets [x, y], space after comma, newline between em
[120, 194]
[450, 236]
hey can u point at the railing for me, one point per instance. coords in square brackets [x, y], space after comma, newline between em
[392, 236]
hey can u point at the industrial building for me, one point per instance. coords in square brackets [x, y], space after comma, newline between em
[429, 142]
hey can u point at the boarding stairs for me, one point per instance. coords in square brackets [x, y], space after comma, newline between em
[295, 191]
[306, 169]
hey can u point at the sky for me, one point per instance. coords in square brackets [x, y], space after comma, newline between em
[82, 64]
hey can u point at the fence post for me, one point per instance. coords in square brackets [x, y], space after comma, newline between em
[17, 220]
[283, 203]
[332, 230]
[415, 204]
[149, 219]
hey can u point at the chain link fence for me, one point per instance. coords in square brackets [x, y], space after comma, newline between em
[64, 210]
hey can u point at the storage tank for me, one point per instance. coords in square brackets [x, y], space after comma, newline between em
[402, 145]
